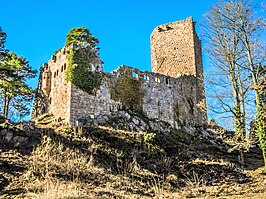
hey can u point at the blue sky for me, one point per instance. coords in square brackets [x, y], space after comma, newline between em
[35, 29]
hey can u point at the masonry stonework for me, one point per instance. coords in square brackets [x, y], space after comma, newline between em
[173, 48]
[173, 92]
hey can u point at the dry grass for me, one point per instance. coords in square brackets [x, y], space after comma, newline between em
[56, 171]
[212, 162]
[52, 158]
[50, 188]
[110, 163]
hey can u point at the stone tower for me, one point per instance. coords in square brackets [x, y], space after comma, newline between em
[176, 51]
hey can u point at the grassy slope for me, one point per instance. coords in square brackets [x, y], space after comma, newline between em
[104, 162]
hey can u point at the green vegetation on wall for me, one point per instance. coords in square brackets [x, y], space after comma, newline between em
[80, 60]
[78, 71]
[81, 35]
[128, 90]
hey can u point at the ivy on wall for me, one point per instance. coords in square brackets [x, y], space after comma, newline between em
[80, 59]
[128, 90]
[78, 70]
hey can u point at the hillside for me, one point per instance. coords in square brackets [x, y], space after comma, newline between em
[123, 157]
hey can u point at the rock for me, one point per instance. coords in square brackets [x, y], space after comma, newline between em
[8, 136]
[15, 139]
[23, 139]
[204, 133]
[213, 143]
[190, 130]
[135, 121]
[127, 116]
[3, 132]
[155, 126]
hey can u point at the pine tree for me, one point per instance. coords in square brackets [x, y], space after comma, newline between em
[15, 93]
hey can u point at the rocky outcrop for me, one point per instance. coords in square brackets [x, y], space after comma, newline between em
[22, 134]
[125, 120]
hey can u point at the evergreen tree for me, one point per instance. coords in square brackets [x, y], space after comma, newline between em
[15, 93]
[2, 41]
[81, 35]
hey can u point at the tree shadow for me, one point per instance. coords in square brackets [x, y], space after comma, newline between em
[114, 153]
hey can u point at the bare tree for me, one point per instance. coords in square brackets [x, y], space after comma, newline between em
[233, 36]
[226, 54]
[251, 28]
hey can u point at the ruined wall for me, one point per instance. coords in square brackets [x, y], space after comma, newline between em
[83, 104]
[60, 95]
[40, 104]
[173, 92]
[201, 97]
[168, 99]
[54, 91]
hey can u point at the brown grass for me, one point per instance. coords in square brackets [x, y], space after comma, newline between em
[109, 163]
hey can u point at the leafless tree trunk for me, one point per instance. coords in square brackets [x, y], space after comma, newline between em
[233, 36]
[225, 51]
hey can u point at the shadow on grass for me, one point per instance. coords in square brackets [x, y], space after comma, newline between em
[114, 152]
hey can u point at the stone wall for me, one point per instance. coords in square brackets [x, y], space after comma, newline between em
[53, 93]
[201, 98]
[168, 99]
[40, 102]
[59, 98]
[172, 48]
[174, 93]
[85, 105]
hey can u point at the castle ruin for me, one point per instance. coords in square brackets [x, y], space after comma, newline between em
[173, 92]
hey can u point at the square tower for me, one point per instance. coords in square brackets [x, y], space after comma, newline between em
[176, 49]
